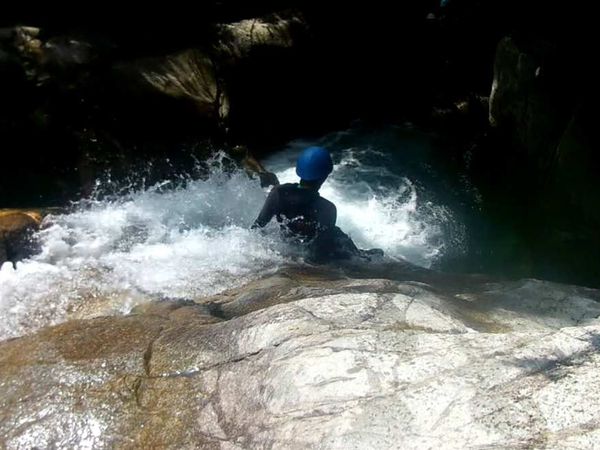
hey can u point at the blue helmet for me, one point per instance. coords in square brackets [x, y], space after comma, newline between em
[314, 164]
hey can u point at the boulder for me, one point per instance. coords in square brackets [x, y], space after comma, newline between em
[16, 234]
[326, 361]
[532, 98]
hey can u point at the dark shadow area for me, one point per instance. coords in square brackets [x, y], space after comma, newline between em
[73, 103]
[554, 369]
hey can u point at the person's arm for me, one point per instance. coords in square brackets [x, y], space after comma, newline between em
[328, 215]
[268, 210]
[333, 216]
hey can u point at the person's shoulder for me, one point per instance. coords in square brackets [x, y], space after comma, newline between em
[279, 187]
[286, 187]
[326, 203]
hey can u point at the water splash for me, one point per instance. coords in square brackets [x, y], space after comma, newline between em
[187, 238]
[379, 207]
[189, 241]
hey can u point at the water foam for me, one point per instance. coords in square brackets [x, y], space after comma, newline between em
[194, 240]
[377, 207]
[109, 255]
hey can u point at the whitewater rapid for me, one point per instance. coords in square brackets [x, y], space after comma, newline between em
[194, 239]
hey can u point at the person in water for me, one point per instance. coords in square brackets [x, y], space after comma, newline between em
[305, 216]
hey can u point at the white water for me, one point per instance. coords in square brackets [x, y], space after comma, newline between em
[376, 207]
[194, 241]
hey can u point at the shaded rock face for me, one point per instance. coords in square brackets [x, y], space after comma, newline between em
[91, 93]
[578, 162]
[234, 71]
[328, 362]
[238, 40]
[79, 104]
[540, 88]
[525, 101]
[215, 77]
[190, 76]
[542, 114]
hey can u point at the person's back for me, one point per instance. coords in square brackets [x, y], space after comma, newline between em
[305, 215]
[302, 212]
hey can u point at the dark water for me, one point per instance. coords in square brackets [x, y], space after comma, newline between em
[481, 225]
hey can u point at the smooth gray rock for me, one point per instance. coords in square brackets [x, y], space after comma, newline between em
[330, 362]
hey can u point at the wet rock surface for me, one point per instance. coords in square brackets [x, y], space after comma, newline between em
[324, 361]
[16, 234]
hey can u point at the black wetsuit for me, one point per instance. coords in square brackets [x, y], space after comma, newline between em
[308, 218]
[302, 211]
